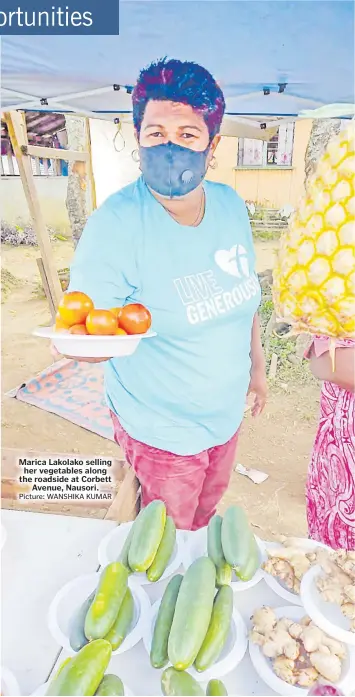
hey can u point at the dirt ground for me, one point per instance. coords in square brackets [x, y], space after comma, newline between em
[279, 443]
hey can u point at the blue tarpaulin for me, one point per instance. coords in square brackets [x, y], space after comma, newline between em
[271, 58]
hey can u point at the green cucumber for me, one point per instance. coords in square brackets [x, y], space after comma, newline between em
[176, 683]
[215, 688]
[61, 668]
[123, 557]
[110, 685]
[159, 649]
[193, 612]
[214, 543]
[122, 623]
[165, 550]
[108, 599]
[84, 672]
[238, 540]
[223, 575]
[215, 551]
[246, 572]
[148, 531]
[218, 630]
[77, 636]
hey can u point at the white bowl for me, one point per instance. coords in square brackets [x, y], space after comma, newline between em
[276, 584]
[41, 690]
[327, 616]
[263, 665]
[92, 346]
[74, 593]
[232, 654]
[9, 684]
[111, 546]
[196, 547]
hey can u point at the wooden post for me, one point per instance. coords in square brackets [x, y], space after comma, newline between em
[16, 125]
[90, 172]
[46, 287]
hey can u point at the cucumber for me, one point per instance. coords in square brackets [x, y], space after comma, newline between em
[176, 683]
[214, 543]
[62, 666]
[193, 612]
[216, 688]
[110, 685]
[123, 557]
[148, 531]
[77, 636]
[122, 623]
[83, 674]
[246, 573]
[165, 550]
[218, 629]
[108, 599]
[159, 649]
[238, 540]
[223, 575]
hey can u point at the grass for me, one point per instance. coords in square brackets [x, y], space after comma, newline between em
[266, 235]
[287, 372]
[8, 283]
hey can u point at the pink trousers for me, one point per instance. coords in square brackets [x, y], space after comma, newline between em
[190, 486]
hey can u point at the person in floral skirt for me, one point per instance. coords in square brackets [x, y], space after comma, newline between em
[331, 475]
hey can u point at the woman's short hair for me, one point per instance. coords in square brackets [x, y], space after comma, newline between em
[179, 81]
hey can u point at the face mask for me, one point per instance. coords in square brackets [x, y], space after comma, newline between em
[171, 170]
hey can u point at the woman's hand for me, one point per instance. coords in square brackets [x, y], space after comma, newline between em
[58, 356]
[258, 386]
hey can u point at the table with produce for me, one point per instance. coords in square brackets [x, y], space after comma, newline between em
[211, 612]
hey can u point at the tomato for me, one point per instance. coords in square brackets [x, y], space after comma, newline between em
[101, 322]
[116, 311]
[135, 319]
[120, 331]
[78, 329]
[59, 325]
[74, 307]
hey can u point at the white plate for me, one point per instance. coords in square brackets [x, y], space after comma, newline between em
[74, 593]
[41, 690]
[9, 684]
[263, 665]
[111, 546]
[94, 346]
[327, 616]
[275, 584]
[197, 547]
[232, 654]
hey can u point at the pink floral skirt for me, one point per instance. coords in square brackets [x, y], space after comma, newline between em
[331, 474]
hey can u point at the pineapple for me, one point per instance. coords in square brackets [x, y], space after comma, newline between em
[314, 279]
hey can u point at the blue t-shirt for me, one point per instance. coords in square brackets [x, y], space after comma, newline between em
[184, 390]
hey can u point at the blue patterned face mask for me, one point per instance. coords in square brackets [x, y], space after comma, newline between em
[171, 170]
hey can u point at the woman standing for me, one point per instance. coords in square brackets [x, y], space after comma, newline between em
[182, 247]
[331, 476]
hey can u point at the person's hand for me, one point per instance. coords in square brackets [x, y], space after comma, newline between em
[58, 356]
[258, 386]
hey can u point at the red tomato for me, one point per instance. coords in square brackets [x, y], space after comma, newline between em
[60, 326]
[78, 329]
[116, 311]
[135, 319]
[74, 307]
[101, 322]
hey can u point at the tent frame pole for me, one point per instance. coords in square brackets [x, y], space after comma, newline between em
[16, 125]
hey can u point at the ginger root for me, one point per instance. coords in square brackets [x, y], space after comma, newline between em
[301, 653]
[337, 585]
